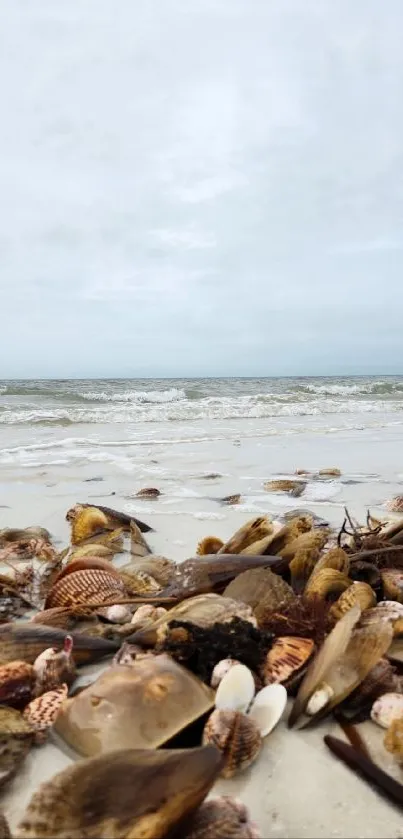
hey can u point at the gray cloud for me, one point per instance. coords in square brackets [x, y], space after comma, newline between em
[210, 187]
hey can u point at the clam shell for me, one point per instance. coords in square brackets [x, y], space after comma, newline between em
[284, 485]
[236, 689]
[255, 529]
[222, 817]
[334, 558]
[220, 670]
[325, 582]
[393, 740]
[285, 658]
[17, 679]
[43, 711]
[312, 540]
[159, 568]
[388, 611]
[85, 587]
[236, 736]
[268, 707]
[126, 794]
[360, 593]
[387, 708]
[116, 614]
[392, 581]
[16, 738]
[261, 589]
[138, 544]
[148, 492]
[294, 528]
[381, 679]
[139, 582]
[138, 706]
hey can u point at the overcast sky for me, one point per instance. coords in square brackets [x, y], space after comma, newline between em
[201, 187]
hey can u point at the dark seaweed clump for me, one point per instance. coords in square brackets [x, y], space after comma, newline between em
[200, 649]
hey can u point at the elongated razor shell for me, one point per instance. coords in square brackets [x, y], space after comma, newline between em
[26, 640]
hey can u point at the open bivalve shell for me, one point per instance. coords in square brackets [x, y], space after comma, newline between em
[236, 690]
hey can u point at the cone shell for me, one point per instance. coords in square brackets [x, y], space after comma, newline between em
[392, 581]
[85, 587]
[236, 736]
[222, 817]
[236, 689]
[393, 741]
[220, 670]
[42, 712]
[17, 680]
[360, 593]
[209, 545]
[268, 708]
[126, 794]
[250, 532]
[325, 582]
[286, 657]
[387, 708]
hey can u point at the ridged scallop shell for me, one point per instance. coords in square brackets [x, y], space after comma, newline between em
[221, 669]
[236, 689]
[360, 593]
[17, 680]
[43, 711]
[285, 658]
[393, 741]
[395, 505]
[387, 708]
[209, 545]
[144, 614]
[85, 587]
[325, 582]
[268, 707]
[392, 581]
[236, 736]
[222, 817]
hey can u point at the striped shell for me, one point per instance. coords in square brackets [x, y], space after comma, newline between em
[360, 593]
[140, 582]
[387, 708]
[285, 658]
[17, 681]
[42, 712]
[84, 588]
[236, 736]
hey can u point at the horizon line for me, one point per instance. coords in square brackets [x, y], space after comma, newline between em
[179, 378]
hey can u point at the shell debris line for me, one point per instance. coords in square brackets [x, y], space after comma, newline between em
[200, 661]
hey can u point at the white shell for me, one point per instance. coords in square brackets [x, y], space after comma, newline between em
[42, 659]
[147, 613]
[387, 708]
[236, 690]
[319, 700]
[268, 707]
[118, 614]
[221, 669]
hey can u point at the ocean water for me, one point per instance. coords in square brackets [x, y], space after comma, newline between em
[65, 441]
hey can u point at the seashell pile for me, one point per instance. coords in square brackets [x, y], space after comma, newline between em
[201, 658]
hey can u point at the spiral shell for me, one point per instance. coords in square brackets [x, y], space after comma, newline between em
[393, 741]
[43, 711]
[327, 581]
[392, 581]
[221, 669]
[84, 588]
[146, 614]
[222, 817]
[285, 658]
[17, 680]
[236, 736]
[360, 593]
[387, 708]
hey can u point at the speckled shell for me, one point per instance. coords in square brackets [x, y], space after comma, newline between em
[17, 681]
[392, 581]
[236, 736]
[360, 593]
[393, 741]
[327, 581]
[285, 658]
[43, 711]
[85, 587]
[387, 708]
[222, 817]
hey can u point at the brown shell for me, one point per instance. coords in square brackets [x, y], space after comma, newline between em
[209, 545]
[286, 657]
[334, 558]
[312, 540]
[393, 741]
[250, 532]
[16, 738]
[100, 551]
[54, 668]
[43, 711]
[159, 568]
[325, 582]
[360, 593]
[222, 817]
[17, 680]
[85, 564]
[59, 617]
[138, 544]
[389, 611]
[260, 589]
[392, 581]
[381, 679]
[285, 485]
[302, 566]
[231, 499]
[331, 472]
[85, 587]
[139, 582]
[294, 528]
[236, 736]
[148, 492]
[4, 827]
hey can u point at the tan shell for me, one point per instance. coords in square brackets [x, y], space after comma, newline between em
[102, 551]
[17, 680]
[85, 587]
[290, 531]
[236, 736]
[42, 712]
[138, 706]
[395, 505]
[325, 582]
[209, 545]
[284, 485]
[16, 738]
[148, 492]
[261, 589]
[387, 708]
[331, 472]
[360, 593]
[286, 657]
[86, 522]
[250, 532]
[139, 582]
[159, 568]
[222, 817]
[126, 794]
[334, 558]
[393, 741]
[144, 614]
[55, 667]
[138, 544]
[311, 540]
[392, 581]
[302, 566]
[258, 548]
[388, 611]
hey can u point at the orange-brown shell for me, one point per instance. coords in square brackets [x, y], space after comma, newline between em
[392, 581]
[209, 545]
[360, 593]
[236, 736]
[393, 740]
[87, 563]
[85, 587]
[17, 680]
[285, 658]
[42, 712]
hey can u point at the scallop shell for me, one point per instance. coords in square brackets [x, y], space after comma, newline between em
[17, 681]
[209, 545]
[220, 670]
[387, 708]
[268, 707]
[16, 738]
[236, 689]
[250, 532]
[360, 593]
[286, 657]
[395, 505]
[393, 740]
[42, 712]
[85, 587]
[236, 736]
[222, 817]
[325, 582]
[392, 581]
